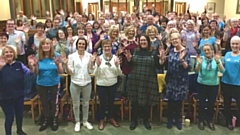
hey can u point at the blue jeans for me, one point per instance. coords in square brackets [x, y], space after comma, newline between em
[106, 96]
[207, 97]
[10, 108]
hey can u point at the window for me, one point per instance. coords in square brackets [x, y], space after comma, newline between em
[37, 8]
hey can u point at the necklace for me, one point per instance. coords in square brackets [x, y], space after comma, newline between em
[107, 60]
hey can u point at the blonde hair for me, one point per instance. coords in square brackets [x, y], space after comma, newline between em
[150, 28]
[11, 48]
[128, 29]
[209, 45]
[112, 28]
[40, 50]
[172, 30]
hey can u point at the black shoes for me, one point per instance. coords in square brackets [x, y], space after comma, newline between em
[201, 125]
[44, 125]
[211, 126]
[147, 125]
[133, 125]
[55, 124]
[20, 132]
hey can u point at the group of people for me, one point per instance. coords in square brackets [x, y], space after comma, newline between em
[138, 46]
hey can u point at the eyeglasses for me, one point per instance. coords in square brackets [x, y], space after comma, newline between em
[10, 24]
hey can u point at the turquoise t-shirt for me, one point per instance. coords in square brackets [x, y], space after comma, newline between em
[210, 41]
[208, 77]
[232, 66]
[48, 74]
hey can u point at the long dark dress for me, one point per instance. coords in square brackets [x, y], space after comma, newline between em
[143, 84]
[177, 76]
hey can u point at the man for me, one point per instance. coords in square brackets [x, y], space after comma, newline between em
[14, 34]
[78, 23]
[52, 33]
[220, 22]
[150, 20]
[22, 17]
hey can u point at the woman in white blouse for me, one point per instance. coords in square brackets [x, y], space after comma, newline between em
[79, 65]
[106, 70]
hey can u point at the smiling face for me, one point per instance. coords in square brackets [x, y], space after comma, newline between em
[235, 45]
[208, 51]
[3, 40]
[175, 39]
[81, 45]
[143, 42]
[190, 26]
[115, 33]
[46, 47]
[9, 53]
[107, 49]
[61, 34]
[131, 33]
[69, 30]
[80, 32]
[206, 31]
[88, 27]
[152, 34]
[10, 25]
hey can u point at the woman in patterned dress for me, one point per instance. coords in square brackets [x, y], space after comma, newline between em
[176, 78]
[142, 84]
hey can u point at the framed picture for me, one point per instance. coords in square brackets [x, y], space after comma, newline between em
[211, 7]
[238, 7]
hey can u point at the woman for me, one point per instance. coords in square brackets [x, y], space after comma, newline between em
[62, 43]
[91, 18]
[3, 42]
[176, 78]
[107, 69]
[229, 33]
[48, 69]
[92, 37]
[230, 80]
[142, 84]
[80, 66]
[34, 40]
[152, 32]
[207, 67]
[206, 37]
[12, 87]
[113, 35]
[204, 21]
[20, 26]
[128, 43]
[48, 25]
[190, 36]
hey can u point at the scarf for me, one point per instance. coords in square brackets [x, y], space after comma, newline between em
[209, 64]
[233, 31]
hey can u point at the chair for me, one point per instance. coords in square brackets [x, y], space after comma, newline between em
[164, 101]
[217, 103]
[119, 101]
[92, 100]
[31, 99]
[63, 97]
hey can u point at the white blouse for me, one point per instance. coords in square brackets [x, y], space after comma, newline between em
[107, 75]
[80, 68]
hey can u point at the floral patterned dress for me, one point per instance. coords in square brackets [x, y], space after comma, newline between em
[177, 76]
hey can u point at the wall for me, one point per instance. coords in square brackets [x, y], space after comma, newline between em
[231, 4]
[5, 10]
[198, 6]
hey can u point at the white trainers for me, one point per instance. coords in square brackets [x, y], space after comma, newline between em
[87, 125]
[77, 127]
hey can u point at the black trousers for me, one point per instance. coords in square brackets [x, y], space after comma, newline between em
[140, 111]
[48, 96]
[106, 96]
[229, 92]
[174, 109]
[10, 108]
[207, 97]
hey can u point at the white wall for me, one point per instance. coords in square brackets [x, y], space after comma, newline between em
[230, 9]
[5, 10]
[198, 5]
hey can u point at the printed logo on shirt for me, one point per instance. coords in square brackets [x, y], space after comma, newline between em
[228, 59]
[17, 69]
[52, 63]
